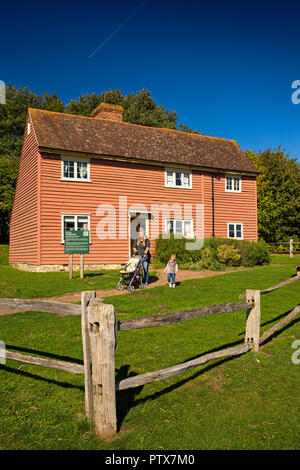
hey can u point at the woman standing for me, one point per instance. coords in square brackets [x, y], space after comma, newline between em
[142, 247]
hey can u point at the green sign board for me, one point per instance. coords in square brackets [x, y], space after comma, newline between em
[77, 242]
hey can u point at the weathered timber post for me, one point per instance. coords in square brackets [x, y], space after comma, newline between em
[253, 319]
[291, 248]
[101, 326]
[70, 266]
[82, 266]
[87, 361]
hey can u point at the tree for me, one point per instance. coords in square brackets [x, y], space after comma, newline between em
[12, 123]
[278, 194]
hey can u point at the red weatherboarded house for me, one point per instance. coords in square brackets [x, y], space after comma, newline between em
[102, 173]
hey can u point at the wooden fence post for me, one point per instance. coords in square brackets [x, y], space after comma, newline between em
[101, 327]
[291, 248]
[253, 319]
[87, 361]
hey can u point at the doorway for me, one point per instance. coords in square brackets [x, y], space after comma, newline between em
[136, 221]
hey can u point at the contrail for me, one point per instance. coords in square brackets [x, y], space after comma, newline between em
[118, 28]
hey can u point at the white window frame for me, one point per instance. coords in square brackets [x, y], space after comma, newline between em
[178, 170]
[167, 219]
[233, 190]
[76, 216]
[235, 224]
[75, 160]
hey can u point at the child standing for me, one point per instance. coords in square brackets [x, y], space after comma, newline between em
[171, 269]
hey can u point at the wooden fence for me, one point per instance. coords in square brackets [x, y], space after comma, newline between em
[293, 248]
[99, 340]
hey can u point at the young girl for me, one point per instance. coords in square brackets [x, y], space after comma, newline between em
[171, 269]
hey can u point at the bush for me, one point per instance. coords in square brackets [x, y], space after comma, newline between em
[228, 255]
[257, 253]
[216, 254]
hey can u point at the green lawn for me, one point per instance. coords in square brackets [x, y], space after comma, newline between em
[248, 402]
[16, 283]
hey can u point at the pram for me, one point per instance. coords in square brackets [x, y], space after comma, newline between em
[132, 274]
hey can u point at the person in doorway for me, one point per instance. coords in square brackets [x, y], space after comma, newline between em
[171, 269]
[142, 248]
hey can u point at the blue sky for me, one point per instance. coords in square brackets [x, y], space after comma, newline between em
[226, 67]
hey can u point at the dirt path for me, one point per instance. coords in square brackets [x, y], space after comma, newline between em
[160, 281]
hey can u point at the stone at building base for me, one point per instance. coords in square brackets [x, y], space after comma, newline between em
[47, 268]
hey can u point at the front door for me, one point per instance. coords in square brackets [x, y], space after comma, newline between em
[136, 221]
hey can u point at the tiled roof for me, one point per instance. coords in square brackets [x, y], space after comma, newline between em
[69, 132]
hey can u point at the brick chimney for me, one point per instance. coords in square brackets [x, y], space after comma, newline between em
[112, 112]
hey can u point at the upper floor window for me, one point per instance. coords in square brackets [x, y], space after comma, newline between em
[75, 169]
[233, 183]
[178, 178]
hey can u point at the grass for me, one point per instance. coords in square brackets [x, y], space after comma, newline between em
[236, 403]
[22, 284]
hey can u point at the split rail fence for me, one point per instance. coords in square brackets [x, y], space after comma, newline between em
[293, 248]
[99, 340]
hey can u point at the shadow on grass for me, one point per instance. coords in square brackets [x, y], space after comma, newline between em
[38, 377]
[279, 317]
[152, 279]
[125, 399]
[43, 353]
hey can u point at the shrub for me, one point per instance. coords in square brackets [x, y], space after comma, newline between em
[216, 254]
[228, 255]
[257, 253]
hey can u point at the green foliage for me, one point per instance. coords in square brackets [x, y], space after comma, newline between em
[257, 254]
[278, 195]
[228, 255]
[139, 108]
[216, 254]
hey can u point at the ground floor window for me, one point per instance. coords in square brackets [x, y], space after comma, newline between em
[180, 227]
[74, 222]
[235, 230]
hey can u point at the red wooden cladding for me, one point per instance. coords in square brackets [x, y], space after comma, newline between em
[24, 226]
[42, 197]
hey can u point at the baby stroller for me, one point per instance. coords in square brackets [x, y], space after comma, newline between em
[132, 274]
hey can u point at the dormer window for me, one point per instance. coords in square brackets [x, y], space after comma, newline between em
[178, 178]
[75, 169]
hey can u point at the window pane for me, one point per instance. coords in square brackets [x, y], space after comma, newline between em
[82, 170]
[186, 179]
[82, 222]
[231, 231]
[228, 183]
[178, 179]
[170, 226]
[238, 231]
[69, 223]
[169, 178]
[68, 169]
[236, 184]
[188, 229]
[178, 226]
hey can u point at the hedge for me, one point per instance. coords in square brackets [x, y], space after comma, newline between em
[216, 254]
